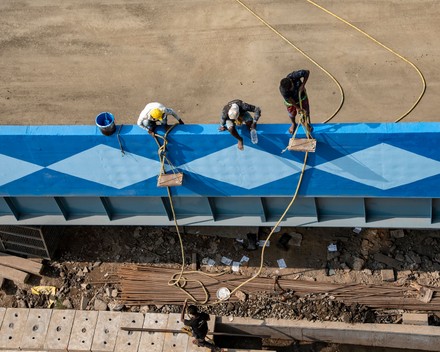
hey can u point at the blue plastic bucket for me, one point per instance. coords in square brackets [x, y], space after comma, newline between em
[106, 123]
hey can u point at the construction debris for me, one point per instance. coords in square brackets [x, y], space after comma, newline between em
[425, 293]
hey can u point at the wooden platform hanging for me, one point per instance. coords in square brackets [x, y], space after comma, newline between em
[170, 180]
[302, 144]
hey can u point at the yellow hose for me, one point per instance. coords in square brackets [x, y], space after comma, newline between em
[341, 91]
[385, 47]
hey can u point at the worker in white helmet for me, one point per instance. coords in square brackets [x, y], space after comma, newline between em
[237, 112]
[155, 114]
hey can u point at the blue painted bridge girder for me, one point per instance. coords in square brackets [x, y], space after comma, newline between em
[369, 175]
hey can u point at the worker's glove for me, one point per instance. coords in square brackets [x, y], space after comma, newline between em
[181, 122]
[222, 128]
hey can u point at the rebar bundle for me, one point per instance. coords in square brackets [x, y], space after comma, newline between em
[142, 285]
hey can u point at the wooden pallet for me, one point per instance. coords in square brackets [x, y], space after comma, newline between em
[302, 145]
[170, 180]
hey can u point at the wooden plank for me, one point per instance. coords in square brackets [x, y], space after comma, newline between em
[20, 263]
[13, 274]
[302, 144]
[169, 180]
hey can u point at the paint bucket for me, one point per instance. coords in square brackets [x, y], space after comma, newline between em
[106, 123]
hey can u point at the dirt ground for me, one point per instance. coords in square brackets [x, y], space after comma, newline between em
[85, 269]
[64, 62]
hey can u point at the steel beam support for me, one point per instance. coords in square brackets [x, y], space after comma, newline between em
[62, 207]
[263, 210]
[211, 211]
[107, 207]
[167, 207]
[14, 211]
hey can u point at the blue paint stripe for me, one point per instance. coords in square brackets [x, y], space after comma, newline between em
[352, 160]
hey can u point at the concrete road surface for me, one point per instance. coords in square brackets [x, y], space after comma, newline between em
[63, 62]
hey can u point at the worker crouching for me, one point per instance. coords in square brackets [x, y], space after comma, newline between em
[237, 112]
[155, 114]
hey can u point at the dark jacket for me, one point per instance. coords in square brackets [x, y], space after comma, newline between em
[295, 77]
[198, 325]
[243, 108]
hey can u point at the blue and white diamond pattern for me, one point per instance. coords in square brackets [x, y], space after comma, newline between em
[13, 169]
[106, 165]
[382, 166]
[256, 167]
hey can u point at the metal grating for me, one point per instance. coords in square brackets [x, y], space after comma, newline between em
[31, 241]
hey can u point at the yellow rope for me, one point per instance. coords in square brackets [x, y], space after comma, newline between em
[303, 53]
[180, 281]
[385, 47]
[275, 226]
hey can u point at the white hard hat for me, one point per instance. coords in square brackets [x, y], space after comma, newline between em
[233, 111]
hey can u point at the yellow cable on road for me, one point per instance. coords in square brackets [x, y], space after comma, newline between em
[303, 53]
[385, 47]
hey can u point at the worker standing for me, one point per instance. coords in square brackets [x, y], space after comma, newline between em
[237, 112]
[155, 114]
[199, 326]
[293, 90]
